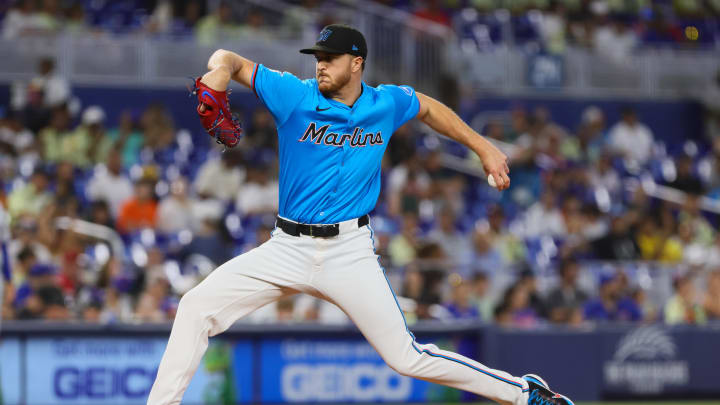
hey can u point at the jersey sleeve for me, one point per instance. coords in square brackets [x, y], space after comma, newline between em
[406, 102]
[280, 92]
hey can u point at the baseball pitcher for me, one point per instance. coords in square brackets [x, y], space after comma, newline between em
[333, 130]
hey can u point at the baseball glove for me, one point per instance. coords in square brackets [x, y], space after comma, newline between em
[215, 116]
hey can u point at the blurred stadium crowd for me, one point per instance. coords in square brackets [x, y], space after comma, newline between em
[113, 223]
[455, 248]
[612, 27]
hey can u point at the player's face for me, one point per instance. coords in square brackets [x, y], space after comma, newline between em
[332, 71]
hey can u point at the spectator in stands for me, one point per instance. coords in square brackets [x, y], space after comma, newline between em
[221, 176]
[515, 310]
[408, 184]
[210, 239]
[431, 263]
[28, 303]
[591, 137]
[259, 193]
[176, 212]
[25, 261]
[543, 217]
[711, 302]
[55, 87]
[15, 139]
[110, 184]
[262, 133]
[149, 305]
[54, 305]
[512, 250]
[460, 305]
[686, 180]
[99, 213]
[566, 299]
[402, 146]
[485, 254]
[610, 305]
[694, 253]
[88, 144]
[454, 244]
[221, 24]
[615, 41]
[528, 279]
[684, 306]
[704, 231]
[21, 20]
[140, 211]
[35, 115]
[54, 137]
[32, 197]
[127, 139]
[254, 27]
[91, 312]
[618, 244]
[480, 297]
[630, 138]
[67, 192]
[604, 177]
[117, 306]
[646, 307]
[552, 28]
[190, 13]
[50, 16]
[657, 244]
[75, 21]
[403, 247]
[160, 138]
[26, 234]
[161, 18]
[446, 187]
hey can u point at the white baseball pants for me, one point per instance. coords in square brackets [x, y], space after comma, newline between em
[343, 270]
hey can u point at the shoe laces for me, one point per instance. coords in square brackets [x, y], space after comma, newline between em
[536, 398]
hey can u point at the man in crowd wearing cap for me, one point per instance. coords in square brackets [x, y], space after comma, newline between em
[332, 134]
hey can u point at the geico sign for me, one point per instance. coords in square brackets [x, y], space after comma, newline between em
[102, 382]
[353, 382]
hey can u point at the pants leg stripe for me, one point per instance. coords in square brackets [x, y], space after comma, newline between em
[427, 351]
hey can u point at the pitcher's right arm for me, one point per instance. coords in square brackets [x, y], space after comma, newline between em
[226, 65]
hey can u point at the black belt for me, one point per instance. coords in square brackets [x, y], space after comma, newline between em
[319, 231]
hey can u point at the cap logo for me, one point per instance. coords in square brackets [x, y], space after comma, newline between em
[324, 34]
[354, 48]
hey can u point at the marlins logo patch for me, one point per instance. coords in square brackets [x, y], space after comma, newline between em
[324, 34]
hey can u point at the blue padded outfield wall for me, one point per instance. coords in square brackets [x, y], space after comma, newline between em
[671, 121]
[75, 364]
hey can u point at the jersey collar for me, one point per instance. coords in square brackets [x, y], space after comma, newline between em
[324, 103]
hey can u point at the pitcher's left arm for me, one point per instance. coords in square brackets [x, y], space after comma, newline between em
[442, 119]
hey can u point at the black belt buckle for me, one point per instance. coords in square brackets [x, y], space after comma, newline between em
[324, 231]
[315, 231]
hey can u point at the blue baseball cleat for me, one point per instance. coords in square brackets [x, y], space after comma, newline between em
[540, 393]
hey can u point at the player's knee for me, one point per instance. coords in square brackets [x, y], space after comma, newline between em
[399, 366]
[192, 300]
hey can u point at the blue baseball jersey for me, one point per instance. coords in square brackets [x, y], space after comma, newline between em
[330, 153]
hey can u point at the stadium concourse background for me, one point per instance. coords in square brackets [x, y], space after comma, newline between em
[598, 269]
